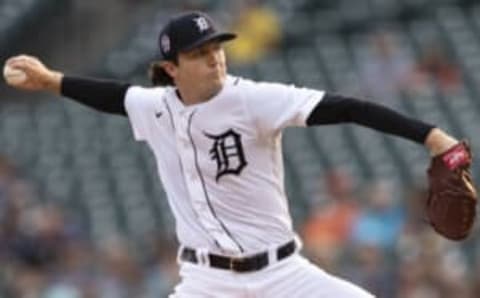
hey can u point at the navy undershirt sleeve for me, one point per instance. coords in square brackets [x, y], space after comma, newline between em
[103, 95]
[334, 109]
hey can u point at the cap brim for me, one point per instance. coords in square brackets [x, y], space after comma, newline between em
[220, 36]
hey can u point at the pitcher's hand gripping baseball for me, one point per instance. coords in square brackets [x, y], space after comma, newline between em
[35, 76]
[452, 195]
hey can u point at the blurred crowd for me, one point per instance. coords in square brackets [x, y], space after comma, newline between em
[372, 234]
[378, 238]
[46, 253]
[388, 69]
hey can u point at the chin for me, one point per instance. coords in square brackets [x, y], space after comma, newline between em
[215, 85]
[218, 80]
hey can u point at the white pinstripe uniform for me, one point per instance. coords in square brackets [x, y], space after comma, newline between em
[220, 163]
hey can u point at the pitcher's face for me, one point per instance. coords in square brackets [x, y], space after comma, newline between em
[202, 69]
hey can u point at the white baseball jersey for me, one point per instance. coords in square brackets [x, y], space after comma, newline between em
[220, 161]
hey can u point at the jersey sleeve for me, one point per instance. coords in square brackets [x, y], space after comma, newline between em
[140, 105]
[275, 106]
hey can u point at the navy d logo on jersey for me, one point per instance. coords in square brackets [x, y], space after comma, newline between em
[227, 151]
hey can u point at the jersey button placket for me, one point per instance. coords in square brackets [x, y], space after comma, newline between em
[192, 181]
[194, 184]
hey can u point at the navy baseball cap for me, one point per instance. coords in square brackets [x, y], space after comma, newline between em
[188, 31]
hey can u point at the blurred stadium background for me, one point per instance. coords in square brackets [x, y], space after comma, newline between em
[82, 212]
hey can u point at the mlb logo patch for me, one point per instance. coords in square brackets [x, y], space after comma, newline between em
[165, 43]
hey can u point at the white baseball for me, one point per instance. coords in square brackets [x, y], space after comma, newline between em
[13, 76]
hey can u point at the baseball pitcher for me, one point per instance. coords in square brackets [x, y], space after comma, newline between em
[217, 143]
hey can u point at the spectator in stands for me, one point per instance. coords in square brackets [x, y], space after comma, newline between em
[44, 236]
[428, 263]
[434, 64]
[162, 272]
[372, 270]
[73, 275]
[36, 249]
[258, 29]
[414, 229]
[10, 210]
[14, 195]
[121, 276]
[414, 282]
[328, 227]
[387, 69]
[381, 221]
[436, 269]
[429, 266]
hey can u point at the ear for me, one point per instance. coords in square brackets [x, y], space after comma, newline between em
[170, 68]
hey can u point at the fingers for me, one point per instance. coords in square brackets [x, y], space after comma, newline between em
[22, 57]
[23, 62]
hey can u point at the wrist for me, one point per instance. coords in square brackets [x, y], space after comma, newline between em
[54, 82]
[438, 141]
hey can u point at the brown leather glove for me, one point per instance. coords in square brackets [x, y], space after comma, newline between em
[452, 196]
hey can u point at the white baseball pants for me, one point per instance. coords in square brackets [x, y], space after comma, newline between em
[293, 277]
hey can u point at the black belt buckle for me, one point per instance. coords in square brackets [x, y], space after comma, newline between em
[239, 264]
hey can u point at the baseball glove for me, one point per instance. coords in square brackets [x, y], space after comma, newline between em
[452, 196]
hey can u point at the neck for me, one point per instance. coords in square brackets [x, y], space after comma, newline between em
[190, 96]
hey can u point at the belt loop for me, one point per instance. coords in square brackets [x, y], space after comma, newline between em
[179, 254]
[298, 243]
[272, 254]
[202, 256]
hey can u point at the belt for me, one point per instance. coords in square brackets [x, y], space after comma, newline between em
[243, 264]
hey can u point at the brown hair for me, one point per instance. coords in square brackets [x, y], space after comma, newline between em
[158, 76]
